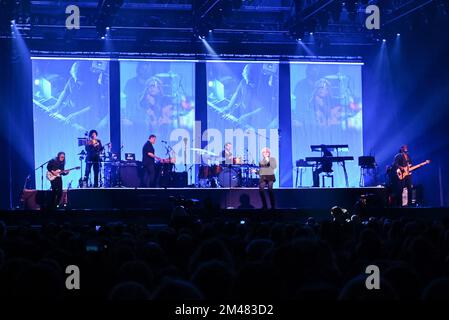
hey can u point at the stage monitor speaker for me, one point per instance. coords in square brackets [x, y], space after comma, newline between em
[129, 175]
[174, 180]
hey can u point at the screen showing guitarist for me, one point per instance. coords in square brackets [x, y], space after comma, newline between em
[53, 167]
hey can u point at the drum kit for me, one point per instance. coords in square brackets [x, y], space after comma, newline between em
[215, 173]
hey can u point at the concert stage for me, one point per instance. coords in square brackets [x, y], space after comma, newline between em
[220, 198]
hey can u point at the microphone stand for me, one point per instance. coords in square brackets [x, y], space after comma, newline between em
[168, 148]
[119, 178]
[191, 179]
[22, 196]
[42, 173]
[185, 154]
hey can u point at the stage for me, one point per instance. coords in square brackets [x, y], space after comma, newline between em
[219, 198]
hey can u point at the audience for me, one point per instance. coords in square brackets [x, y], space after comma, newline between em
[222, 260]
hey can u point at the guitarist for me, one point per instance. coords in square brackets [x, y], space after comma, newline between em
[401, 161]
[54, 164]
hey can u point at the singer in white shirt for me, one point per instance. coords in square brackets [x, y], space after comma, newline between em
[268, 166]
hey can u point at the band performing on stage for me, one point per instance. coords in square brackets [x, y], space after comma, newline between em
[223, 170]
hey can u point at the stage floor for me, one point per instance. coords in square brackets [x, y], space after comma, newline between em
[220, 198]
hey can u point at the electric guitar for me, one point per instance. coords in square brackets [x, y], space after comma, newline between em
[404, 172]
[57, 173]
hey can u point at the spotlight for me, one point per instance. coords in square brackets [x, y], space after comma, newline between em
[103, 37]
[107, 28]
[384, 40]
[210, 31]
[311, 33]
[299, 39]
[202, 30]
[37, 82]
[398, 35]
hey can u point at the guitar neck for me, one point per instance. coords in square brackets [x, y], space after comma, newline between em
[418, 166]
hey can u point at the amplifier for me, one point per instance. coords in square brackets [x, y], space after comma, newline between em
[174, 180]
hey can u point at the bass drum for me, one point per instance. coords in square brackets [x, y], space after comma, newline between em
[216, 170]
[204, 172]
[230, 177]
[111, 174]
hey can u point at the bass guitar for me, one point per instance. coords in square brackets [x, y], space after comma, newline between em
[52, 175]
[404, 172]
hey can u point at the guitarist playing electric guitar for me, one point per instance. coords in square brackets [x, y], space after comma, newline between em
[403, 169]
[55, 169]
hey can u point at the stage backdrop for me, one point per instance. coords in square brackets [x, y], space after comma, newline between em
[70, 97]
[326, 102]
[243, 108]
[158, 97]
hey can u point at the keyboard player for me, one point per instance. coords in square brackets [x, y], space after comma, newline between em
[323, 166]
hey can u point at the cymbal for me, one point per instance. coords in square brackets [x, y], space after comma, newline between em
[203, 152]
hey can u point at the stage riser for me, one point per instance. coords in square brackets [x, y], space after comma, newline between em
[286, 198]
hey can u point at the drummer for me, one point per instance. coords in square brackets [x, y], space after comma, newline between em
[226, 154]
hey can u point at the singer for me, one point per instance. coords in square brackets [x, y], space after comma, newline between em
[93, 158]
[268, 166]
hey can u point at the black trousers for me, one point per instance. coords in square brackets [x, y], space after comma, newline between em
[316, 175]
[56, 194]
[96, 167]
[267, 181]
[400, 185]
[149, 176]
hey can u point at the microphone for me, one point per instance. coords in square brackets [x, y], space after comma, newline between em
[163, 141]
[185, 140]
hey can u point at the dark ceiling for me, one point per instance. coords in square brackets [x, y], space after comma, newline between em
[222, 23]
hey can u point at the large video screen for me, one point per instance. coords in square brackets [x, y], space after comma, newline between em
[70, 97]
[158, 97]
[243, 108]
[326, 102]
